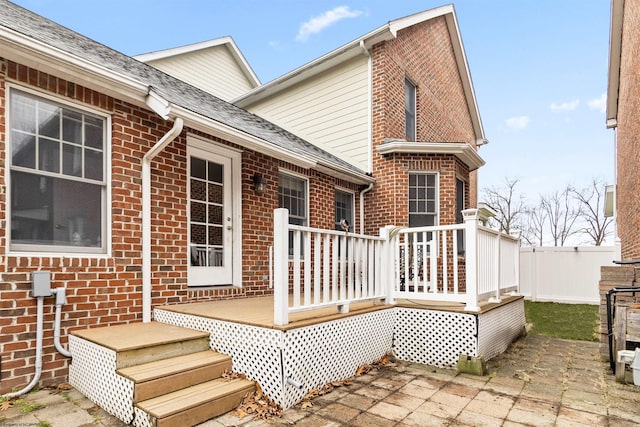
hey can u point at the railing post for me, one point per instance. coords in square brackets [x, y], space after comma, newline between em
[280, 266]
[517, 234]
[471, 254]
[388, 260]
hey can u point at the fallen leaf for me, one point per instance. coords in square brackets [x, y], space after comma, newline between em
[6, 405]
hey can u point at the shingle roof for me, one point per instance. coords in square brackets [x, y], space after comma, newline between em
[173, 90]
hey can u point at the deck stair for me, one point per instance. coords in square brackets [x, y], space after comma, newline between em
[177, 379]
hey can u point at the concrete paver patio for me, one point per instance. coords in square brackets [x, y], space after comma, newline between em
[538, 382]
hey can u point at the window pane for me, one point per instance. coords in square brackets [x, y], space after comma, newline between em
[93, 165]
[71, 160]
[215, 172]
[93, 132]
[23, 150]
[215, 193]
[198, 190]
[198, 168]
[198, 212]
[49, 155]
[198, 234]
[215, 235]
[72, 127]
[215, 214]
[23, 113]
[55, 211]
[49, 120]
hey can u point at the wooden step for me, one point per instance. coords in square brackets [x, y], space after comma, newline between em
[196, 404]
[164, 376]
[138, 343]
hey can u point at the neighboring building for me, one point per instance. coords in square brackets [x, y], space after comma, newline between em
[138, 189]
[623, 115]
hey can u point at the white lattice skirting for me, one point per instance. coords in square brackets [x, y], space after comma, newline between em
[332, 351]
[93, 373]
[288, 364]
[311, 356]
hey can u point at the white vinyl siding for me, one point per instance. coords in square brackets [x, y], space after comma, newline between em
[330, 110]
[213, 70]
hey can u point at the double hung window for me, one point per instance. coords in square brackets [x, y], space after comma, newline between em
[423, 200]
[292, 194]
[58, 184]
[344, 211]
[410, 110]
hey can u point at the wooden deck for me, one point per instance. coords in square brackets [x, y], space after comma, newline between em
[258, 311]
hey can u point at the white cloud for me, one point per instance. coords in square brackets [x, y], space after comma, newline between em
[320, 22]
[598, 103]
[565, 106]
[517, 123]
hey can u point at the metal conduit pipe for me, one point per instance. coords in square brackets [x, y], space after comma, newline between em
[61, 299]
[39, 335]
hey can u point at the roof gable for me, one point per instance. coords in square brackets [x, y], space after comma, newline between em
[362, 45]
[33, 40]
[196, 62]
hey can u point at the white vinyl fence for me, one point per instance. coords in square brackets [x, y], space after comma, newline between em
[564, 274]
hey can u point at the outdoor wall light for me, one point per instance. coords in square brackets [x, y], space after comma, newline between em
[259, 185]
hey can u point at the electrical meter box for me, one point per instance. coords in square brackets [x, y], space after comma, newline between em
[41, 284]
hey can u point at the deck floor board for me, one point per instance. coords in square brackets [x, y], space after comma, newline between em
[258, 311]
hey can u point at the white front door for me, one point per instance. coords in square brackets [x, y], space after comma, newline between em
[211, 218]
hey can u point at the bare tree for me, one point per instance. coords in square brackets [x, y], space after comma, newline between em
[534, 229]
[562, 215]
[507, 203]
[591, 200]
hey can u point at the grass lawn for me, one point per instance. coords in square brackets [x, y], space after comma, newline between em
[570, 321]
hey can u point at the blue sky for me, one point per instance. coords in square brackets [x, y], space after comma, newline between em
[539, 67]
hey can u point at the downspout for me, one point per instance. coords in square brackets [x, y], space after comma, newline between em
[362, 193]
[146, 214]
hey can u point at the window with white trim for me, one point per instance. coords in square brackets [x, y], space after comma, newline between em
[58, 185]
[423, 199]
[292, 194]
[344, 211]
[410, 110]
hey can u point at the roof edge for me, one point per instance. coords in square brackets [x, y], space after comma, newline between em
[27, 51]
[615, 52]
[462, 150]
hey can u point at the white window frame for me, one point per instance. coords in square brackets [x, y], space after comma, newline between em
[352, 220]
[50, 250]
[437, 188]
[306, 202]
[407, 82]
[301, 177]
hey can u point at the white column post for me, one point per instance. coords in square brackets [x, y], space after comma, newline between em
[280, 266]
[388, 260]
[517, 234]
[471, 254]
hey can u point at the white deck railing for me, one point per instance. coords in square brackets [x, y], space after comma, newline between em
[463, 263]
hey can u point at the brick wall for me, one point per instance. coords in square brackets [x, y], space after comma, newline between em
[103, 291]
[628, 146]
[424, 54]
